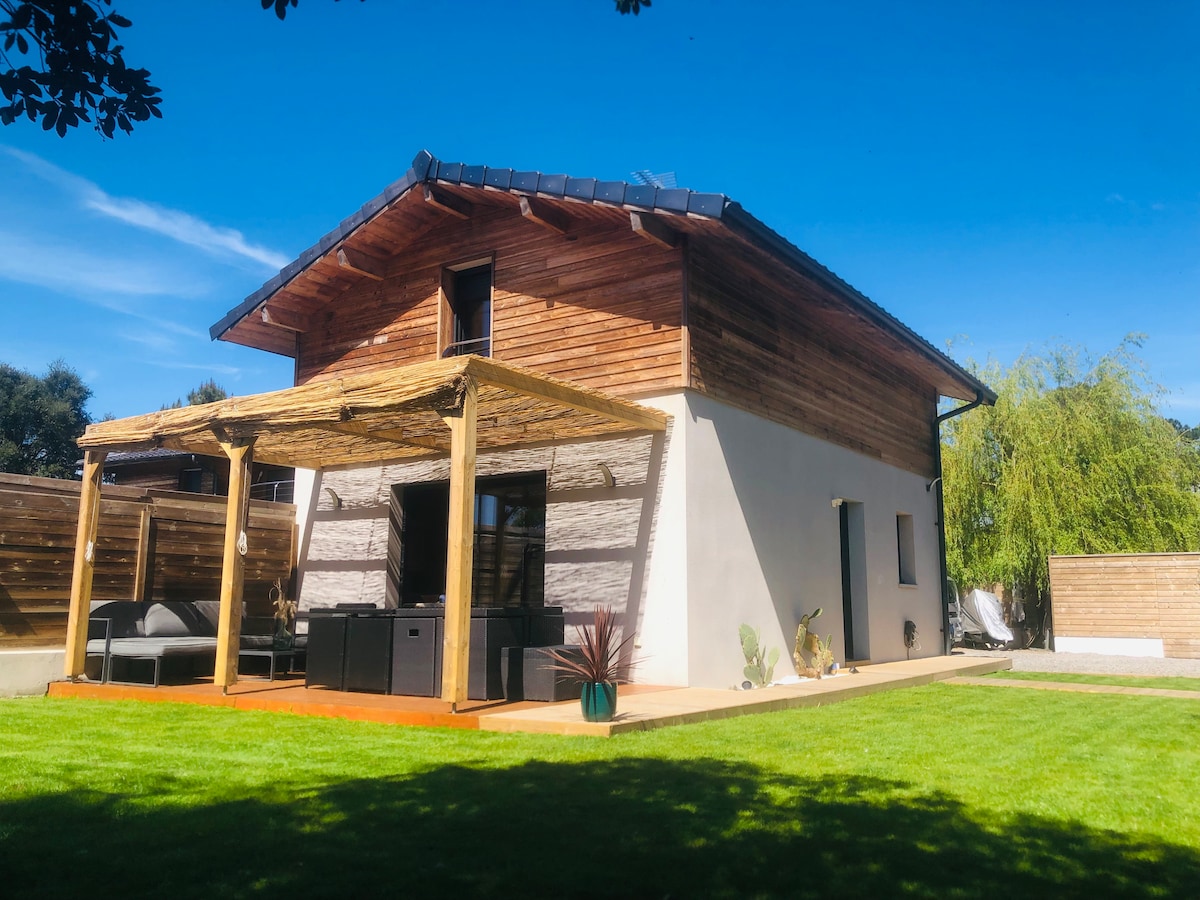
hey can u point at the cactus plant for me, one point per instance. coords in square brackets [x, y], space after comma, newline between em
[760, 662]
[810, 643]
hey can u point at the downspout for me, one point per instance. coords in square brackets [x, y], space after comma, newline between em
[941, 509]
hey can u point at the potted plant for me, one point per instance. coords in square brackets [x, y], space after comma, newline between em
[598, 664]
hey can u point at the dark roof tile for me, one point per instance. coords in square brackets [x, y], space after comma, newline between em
[611, 192]
[706, 204]
[580, 188]
[473, 175]
[420, 165]
[554, 185]
[497, 178]
[525, 181]
[451, 172]
[642, 195]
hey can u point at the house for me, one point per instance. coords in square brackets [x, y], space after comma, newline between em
[677, 413]
[175, 470]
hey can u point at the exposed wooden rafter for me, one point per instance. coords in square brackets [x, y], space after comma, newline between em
[448, 203]
[282, 318]
[361, 263]
[652, 229]
[544, 214]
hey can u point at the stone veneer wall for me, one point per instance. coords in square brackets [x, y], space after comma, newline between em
[598, 539]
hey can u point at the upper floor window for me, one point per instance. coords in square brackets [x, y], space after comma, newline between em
[467, 309]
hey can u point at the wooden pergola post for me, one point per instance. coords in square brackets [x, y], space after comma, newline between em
[460, 547]
[233, 563]
[85, 562]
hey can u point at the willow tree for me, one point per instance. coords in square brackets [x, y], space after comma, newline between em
[1073, 458]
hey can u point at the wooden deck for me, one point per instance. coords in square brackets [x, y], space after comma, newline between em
[640, 707]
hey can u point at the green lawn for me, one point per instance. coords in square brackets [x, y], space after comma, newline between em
[940, 791]
[1166, 682]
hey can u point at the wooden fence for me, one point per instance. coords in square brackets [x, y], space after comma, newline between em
[1149, 596]
[152, 545]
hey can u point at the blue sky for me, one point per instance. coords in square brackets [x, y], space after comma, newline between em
[996, 175]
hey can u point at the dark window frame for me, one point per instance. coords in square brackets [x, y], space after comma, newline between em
[466, 309]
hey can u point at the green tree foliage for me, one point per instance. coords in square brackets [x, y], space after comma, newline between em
[1072, 459]
[60, 62]
[208, 392]
[40, 420]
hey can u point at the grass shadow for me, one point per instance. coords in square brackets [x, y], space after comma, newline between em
[626, 828]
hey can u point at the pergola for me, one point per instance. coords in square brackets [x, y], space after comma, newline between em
[452, 407]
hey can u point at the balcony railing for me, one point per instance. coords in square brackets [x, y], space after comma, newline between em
[277, 491]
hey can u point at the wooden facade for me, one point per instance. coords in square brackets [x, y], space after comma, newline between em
[1146, 596]
[151, 545]
[765, 339]
[632, 303]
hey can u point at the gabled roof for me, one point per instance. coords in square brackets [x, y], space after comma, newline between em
[683, 205]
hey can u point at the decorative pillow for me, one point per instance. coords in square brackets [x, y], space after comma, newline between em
[170, 621]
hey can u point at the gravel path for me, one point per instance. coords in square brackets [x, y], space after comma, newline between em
[1091, 663]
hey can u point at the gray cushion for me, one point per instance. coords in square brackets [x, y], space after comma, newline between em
[126, 616]
[175, 619]
[165, 646]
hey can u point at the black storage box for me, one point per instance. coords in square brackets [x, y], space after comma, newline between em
[528, 674]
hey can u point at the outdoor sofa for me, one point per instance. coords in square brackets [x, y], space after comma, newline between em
[154, 631]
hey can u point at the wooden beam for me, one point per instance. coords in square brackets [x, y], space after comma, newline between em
[233, 563]
[626, 413]
[456, 648]
[390, 435]
[282, 318]
[85, 563]
[143, 556]
[544, 214]
[361, 264]
[448, 203]
[652, 229]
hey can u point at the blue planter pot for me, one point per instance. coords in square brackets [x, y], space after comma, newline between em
[599, 701]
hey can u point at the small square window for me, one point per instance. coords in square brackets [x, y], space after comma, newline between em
[906, 552]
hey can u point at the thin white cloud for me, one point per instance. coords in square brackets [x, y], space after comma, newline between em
[79, 272]
[184, 228]
[153, 340]
[171, 223]
[215, 368]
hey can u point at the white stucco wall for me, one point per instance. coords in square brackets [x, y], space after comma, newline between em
[725, 519]
[763, 543]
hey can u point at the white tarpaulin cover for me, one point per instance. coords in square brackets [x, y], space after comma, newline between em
[981, 614]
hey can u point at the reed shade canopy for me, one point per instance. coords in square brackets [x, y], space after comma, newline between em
[452, 407]
[390, 415]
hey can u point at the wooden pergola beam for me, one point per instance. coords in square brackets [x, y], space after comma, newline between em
[390, 435]
[628, 414]
[361, 263]
[448, 203]
[456, 647]
[84, 566]
[240, 451]
[653, 230]
[546, 215]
